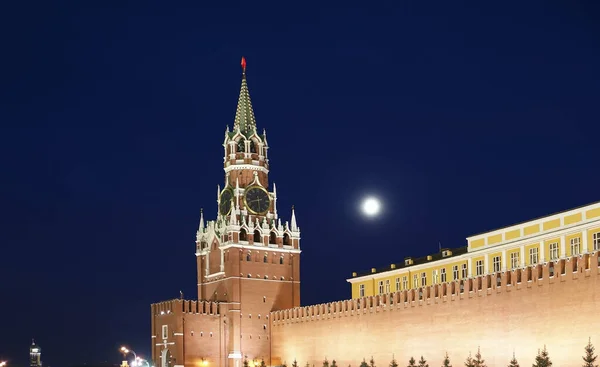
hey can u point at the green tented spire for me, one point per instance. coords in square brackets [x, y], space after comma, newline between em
[244, 115]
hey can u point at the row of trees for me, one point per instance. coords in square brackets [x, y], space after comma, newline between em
[541, 360]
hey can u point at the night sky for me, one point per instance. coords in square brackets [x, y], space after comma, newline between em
[461, 117]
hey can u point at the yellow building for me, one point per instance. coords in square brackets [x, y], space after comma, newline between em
[551, 238]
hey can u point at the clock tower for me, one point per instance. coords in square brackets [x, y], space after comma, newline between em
[248, 259]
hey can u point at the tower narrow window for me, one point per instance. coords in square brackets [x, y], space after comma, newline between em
[257, 236]
[281, 260]
[265, 258]
[286, 239]
[252, 146]
[241, 148]
[243, 235]
[273, 238]
[248, 256]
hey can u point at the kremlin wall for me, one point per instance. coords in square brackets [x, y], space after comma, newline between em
[552, 299]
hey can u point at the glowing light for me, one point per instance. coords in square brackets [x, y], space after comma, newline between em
[371, 206]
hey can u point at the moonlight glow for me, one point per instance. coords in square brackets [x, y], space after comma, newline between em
[371, 207]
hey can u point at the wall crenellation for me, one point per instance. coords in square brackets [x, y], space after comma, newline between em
[576, 267]
[186, 306]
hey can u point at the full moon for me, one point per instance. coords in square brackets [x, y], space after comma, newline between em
[371, 207]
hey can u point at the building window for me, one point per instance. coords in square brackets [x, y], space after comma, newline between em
[435, 276]
[596, 240]
[575, 246]
[514, 260]
[280, 260]
[497, 263]
[165, 331]
[443, 274]
[415, 281]
[381, 287]
[361, 290]
[464, 271]
[554, 251]
[397, 284]
[423, 279]
[533, 255]
[479, 267]
[405, 282]
[387, 286]
[248, 257]
[455, 272]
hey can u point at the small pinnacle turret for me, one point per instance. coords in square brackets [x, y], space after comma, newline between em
[245, 121]
[294, 225]
[201, 225]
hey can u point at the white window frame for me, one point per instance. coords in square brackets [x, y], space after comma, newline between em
[596, 241]
[404, 282]
[361, 290]
[434, 274]
[455, 272]
[397, 284]
[387, 287]
[553, 247]
[497, 263]
[575, 245]
[533, 256]
[479, 267]
[464, 271]
[416, 281]
[423, 279]
[443, 275]
[514, 260]
[380, 287]
[165, 332]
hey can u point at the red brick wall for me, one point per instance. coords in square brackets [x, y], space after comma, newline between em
[560, 312]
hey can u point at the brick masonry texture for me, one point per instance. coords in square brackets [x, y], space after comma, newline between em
[560, 312]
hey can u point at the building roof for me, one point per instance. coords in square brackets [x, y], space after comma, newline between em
[416, 261]
[532, 220]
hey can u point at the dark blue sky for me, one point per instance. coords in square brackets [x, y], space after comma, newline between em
[462, 117]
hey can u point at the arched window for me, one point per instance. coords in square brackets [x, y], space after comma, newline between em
[257, 236]
[243, 235]
[248, 257]
[241, 148]
[273, 238]
[252, 146]
[286, 239]
[281, 260]
[265, 258]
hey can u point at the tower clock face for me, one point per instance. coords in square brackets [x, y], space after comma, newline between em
[257, 200]
[225, 202]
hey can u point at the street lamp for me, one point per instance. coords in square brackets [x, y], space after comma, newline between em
[125, 351]
[3, 363]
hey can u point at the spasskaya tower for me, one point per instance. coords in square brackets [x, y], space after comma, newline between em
[248, 263]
